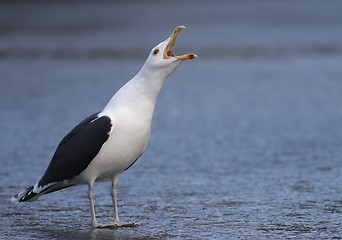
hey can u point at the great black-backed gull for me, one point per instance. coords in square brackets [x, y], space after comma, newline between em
[107, 143]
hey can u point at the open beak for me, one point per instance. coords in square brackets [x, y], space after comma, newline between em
[169, 53]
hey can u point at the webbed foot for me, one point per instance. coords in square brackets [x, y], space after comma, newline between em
[116, 224]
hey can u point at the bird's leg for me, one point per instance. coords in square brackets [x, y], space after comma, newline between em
[115, 204]
[114, 224]
[117, 221]
[95, 223]
[92, 207]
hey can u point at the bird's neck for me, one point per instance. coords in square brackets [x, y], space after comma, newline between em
[142, 90]
[149, 83]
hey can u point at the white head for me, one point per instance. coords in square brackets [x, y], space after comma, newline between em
[162, 60]
[148, 82]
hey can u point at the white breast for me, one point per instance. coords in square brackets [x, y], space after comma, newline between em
[130, 111]
[127, 141]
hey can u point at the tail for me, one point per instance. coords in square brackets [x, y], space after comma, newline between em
[26, 195]
[33, 193]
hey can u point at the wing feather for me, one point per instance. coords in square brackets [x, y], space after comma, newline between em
[77, 149]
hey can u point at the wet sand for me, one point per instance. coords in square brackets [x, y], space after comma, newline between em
[246, 139]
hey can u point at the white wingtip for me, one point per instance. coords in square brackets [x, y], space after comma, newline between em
[18, 198]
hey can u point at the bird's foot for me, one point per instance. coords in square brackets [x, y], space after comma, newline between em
[116, 224]
[104, 225]
[128, 224]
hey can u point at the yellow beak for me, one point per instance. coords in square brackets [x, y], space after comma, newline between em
[169, 53]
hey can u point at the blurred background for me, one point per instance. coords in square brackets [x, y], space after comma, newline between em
[246, 139]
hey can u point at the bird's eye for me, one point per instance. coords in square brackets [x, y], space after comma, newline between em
[156, 51]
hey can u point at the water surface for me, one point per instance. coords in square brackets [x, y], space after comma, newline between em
[246, 139]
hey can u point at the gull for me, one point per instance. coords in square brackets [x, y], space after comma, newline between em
[109, 142]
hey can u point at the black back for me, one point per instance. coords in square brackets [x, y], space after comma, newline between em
[77, 149]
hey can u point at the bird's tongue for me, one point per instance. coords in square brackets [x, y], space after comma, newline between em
[169, 51]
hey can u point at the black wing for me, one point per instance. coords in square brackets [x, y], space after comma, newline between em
[77, 149]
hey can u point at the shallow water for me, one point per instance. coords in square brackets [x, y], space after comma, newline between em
[246, 139]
